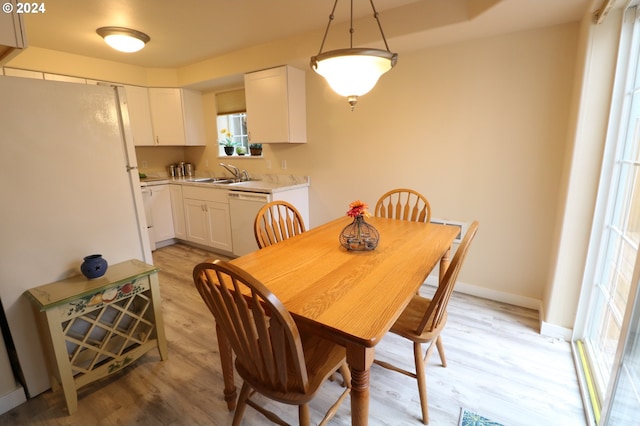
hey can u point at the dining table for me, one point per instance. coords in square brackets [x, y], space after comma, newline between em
[348, 297]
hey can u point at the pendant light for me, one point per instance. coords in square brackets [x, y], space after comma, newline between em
[123, 39]
[353, 72]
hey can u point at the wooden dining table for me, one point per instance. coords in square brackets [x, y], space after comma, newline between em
[348, 297]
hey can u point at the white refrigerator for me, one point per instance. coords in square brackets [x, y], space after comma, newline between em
[69, 188]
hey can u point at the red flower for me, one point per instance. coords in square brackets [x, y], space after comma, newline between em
[358, 208]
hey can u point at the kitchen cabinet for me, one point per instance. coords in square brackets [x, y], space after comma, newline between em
[276, 105]
[207, 218]
[176, 116]
[161, 213]
[67, 78]
[139, 115]
[177, 210]
[16, 72]
[13, 36]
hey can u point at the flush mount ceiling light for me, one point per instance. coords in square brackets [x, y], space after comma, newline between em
[353, 72]
[123, 39]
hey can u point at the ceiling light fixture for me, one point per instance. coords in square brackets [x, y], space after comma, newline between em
[123, 39]
[353, 72]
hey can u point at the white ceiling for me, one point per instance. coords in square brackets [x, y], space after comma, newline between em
[188, 31]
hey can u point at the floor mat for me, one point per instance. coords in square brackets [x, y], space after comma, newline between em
[469, 418]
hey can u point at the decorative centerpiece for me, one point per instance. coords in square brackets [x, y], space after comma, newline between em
[359, 235]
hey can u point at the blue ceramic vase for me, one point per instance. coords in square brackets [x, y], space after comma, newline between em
[94, 266]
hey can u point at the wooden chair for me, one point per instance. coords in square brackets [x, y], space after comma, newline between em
[277, 221]
[423, 319]
[405, 204]
[273, 357]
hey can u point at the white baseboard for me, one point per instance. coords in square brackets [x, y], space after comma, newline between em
[546, 329]
[487, 293]
[12, 399]
[552, 330]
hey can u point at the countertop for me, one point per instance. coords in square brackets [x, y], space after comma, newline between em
[267, 184]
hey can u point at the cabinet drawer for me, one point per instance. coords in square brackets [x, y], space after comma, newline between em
[205, 194]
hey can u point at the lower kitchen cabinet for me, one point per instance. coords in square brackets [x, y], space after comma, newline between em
[177, 209]
[207, 218]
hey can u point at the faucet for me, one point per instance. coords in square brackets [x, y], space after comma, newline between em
[233, 170]
[245, 175]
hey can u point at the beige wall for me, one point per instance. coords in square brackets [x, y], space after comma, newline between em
[479, 127]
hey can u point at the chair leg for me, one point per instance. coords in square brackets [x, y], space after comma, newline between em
[440, 346]
[346, 375]
[303, 415]
[422, 381]
[242, 404]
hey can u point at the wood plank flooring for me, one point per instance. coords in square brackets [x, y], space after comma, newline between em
[498, 366]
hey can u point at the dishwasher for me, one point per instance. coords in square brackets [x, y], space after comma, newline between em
[243, 208]
[146, 201]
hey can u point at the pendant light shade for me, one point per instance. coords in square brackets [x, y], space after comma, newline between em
[123, 39]
[353, 72]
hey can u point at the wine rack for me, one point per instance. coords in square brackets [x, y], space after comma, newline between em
[98, 327]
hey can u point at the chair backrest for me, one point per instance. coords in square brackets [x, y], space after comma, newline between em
[277, 221]
[438, 306]
[405, 204]
[261, 331]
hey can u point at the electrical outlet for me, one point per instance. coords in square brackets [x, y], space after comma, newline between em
[206, 163]
[144, 164]
[284, 164]
[268, 164]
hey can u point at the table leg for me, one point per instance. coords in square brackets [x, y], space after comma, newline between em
[157, 316]
[444, 264]
[62, 361]
[226, 361]
[359, 359]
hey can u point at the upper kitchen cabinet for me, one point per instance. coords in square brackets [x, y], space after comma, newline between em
[13, 36]
[140, 115]
[176, 116]
[276, 105]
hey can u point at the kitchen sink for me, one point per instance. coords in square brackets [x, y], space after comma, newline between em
[210, 180]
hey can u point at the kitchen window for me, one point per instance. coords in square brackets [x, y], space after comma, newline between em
[237, 125]
[232, 116]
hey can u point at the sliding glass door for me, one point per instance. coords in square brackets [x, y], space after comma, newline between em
[624, 392]
[609, 341]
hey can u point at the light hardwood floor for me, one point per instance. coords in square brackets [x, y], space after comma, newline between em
[498, 366]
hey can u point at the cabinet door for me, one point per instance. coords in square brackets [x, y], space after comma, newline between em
[196, 221]
[140, 115]
[193, 117]
[12, 33]
[66, 78]
[166, 116]
[177, 210]
[220, 225]
[161, 213]
[276, 105]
